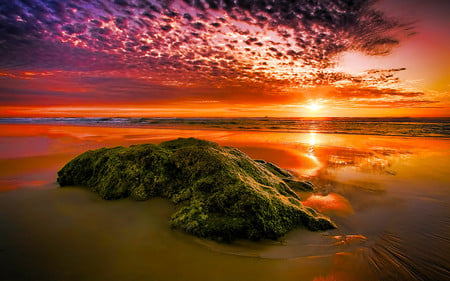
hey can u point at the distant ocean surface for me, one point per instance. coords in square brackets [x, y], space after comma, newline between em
[408, 127]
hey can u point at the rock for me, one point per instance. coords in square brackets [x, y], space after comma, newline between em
[222, 194]
[276, 170]
[299, 185]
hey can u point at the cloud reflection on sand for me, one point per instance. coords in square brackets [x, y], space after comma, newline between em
[331, 203]
[319, 157]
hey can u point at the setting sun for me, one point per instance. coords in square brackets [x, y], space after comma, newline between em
[314, 106]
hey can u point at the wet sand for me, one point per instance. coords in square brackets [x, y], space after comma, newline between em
[388, 195]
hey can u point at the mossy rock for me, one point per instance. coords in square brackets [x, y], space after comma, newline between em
[222, 194]
[299, 185]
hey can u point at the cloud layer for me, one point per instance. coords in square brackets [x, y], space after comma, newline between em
[229, 50]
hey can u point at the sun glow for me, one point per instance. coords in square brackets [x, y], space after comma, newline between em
[314, 106]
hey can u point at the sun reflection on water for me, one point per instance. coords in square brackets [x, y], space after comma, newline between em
[312, 138]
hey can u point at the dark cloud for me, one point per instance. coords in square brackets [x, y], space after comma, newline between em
[84, 90]
[370, 92]
[403, 103]
[372, 97]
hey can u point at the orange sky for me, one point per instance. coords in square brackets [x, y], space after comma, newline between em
[181, 60]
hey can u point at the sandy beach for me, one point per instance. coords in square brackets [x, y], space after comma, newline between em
[388, 195]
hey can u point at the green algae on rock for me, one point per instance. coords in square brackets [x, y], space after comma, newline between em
[222, 193]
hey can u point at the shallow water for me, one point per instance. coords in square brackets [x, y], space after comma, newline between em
[388, 195]
[390, 126]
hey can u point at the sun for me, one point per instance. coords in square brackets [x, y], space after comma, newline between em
[314, 106]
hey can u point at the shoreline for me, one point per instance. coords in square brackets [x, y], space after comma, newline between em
[199, 128]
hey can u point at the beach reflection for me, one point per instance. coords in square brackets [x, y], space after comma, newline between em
[388, 195]
[305, 154]
[332, 203]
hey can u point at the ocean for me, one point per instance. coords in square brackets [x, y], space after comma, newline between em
[410, 127]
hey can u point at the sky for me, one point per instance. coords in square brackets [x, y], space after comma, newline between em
[220, 58]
